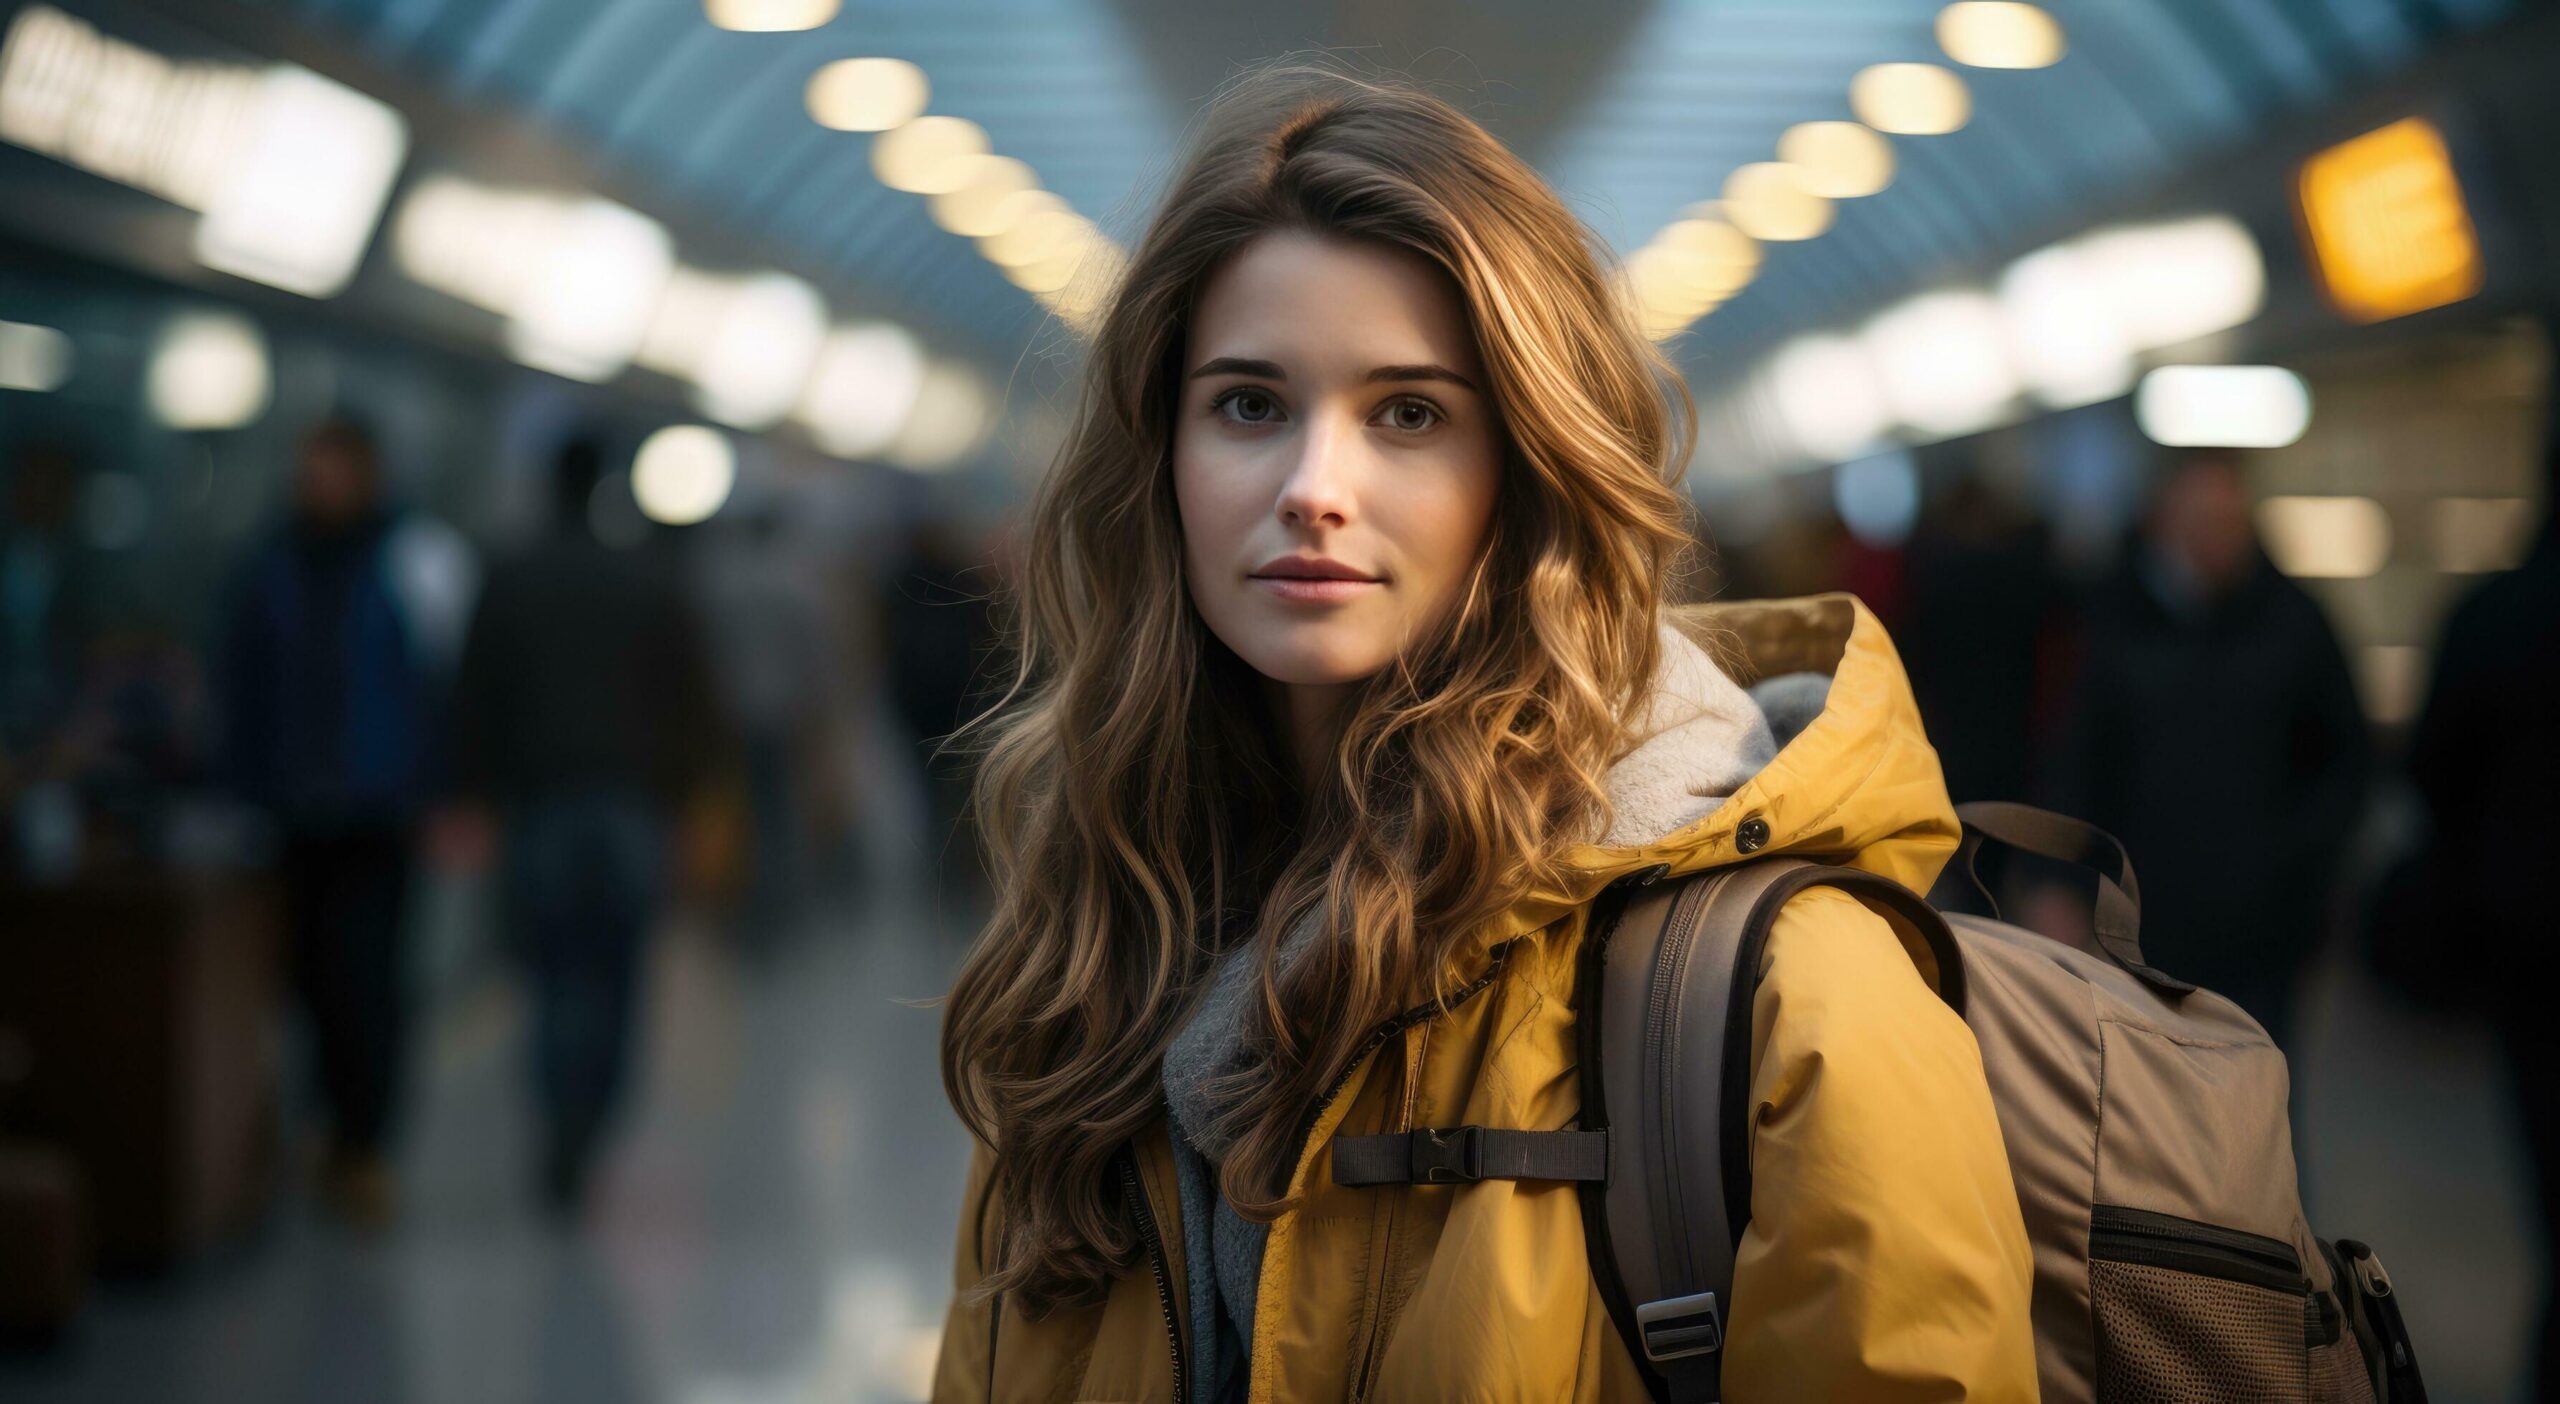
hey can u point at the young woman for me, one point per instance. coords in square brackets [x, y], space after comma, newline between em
[1346, 683]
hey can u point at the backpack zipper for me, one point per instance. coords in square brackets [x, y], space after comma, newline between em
[1156, 1259]
[1669, 957]
[2143, 1237]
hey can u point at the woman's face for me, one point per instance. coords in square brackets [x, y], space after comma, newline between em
[1332, 420]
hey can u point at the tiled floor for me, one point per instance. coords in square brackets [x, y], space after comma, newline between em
[777, 1228]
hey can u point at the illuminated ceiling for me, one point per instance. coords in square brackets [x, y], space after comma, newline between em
[1633, 111]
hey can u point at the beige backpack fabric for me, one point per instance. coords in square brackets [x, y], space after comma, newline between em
[2146, 1126]
[2144, 1119]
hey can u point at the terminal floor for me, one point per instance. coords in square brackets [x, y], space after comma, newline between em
[776, 1226]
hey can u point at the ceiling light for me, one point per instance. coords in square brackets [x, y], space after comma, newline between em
[1828, 396]
[862, 388]
[750, 370]
[2070, 345]
[298, 200]
[1730, 255]
[867, 94]
[984, 204]
[1838, 160]
[1697, 262]
[1944, 361]
[1910, 99]
[2178, 280]
[928, 156]
[683, 473]
[576, 277]
[948, 422]
[584, 302]
[767, 16]
[1768, 201]
[1996, 34]
[208, 370]
[1042, 234]
[1088, 295]
[2223, 406]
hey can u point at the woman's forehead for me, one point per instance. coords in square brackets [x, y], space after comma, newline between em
[1327, 308]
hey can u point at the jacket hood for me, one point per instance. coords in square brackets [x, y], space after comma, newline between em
[1795, 713]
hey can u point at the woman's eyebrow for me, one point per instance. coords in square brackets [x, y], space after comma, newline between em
[1270, 370]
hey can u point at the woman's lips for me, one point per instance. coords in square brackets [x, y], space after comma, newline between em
[1314, 591]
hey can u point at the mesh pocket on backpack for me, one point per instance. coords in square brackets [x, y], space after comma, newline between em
[2337, 1372]
[2190, 1313]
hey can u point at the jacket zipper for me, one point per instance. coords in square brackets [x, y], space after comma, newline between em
[1390, 1029]
[2140, 1236]
[1156, 1259]
[1384, 1214]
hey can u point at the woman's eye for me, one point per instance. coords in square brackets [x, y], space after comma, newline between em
[1263, 411]
[1425, 415]
[1248, 406]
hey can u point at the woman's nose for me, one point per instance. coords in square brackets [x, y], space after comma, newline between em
[1319, 488]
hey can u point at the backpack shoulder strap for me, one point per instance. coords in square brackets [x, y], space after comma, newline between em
[1663, 1001]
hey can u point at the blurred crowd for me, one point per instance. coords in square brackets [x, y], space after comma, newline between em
[596, 728]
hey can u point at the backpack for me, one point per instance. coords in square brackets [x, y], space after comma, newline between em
[2173, 1277]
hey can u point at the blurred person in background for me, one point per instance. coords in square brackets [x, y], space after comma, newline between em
[939, 626]
[2466, 918]
[2214, 728]
[778, 671]
[44, 622]
[1978, 602]
[584, 720]
[328, 726]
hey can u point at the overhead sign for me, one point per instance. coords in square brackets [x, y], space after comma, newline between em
[288, 169]
[2386, 223]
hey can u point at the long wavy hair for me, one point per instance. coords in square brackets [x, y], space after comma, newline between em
[1137, 805]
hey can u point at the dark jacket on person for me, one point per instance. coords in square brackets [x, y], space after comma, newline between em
[2486, 758]
[2221, 739]
[584, 669]
[327, 710]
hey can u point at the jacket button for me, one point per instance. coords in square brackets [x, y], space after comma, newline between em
[1752, 836]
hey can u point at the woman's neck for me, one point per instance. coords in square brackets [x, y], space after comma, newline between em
[1309, 715]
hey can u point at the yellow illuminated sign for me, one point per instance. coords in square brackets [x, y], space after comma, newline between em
[2384, 216]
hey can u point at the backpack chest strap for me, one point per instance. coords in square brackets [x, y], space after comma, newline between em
[1459, 1155]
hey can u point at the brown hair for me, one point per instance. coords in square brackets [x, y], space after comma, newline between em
[1131, 790]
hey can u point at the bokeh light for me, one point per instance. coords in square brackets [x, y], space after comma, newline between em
[683, 474]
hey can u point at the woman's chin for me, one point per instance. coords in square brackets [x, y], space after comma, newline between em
[1318, 661]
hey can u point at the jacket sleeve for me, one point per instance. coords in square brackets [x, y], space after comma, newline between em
[965, 1368]
[1886, 1259]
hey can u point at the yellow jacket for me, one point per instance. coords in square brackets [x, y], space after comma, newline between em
[1885, 1260]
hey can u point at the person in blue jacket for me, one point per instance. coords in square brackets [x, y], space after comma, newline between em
[327, 728]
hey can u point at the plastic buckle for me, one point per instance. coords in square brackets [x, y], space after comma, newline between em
[1451, 1157]
[1678, 1327]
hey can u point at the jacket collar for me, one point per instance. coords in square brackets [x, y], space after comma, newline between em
[1859, 784]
